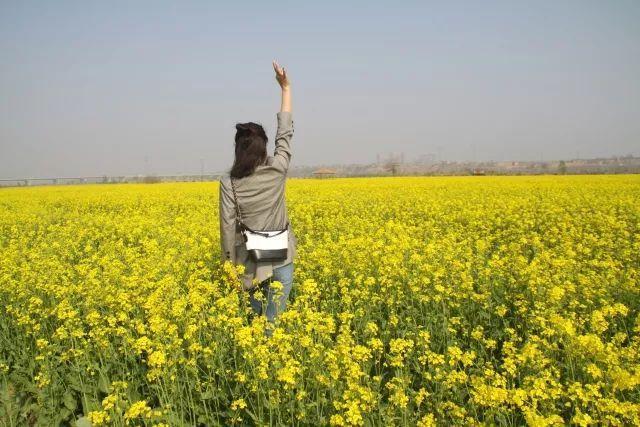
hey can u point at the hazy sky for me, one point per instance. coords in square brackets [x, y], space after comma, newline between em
[93, 88]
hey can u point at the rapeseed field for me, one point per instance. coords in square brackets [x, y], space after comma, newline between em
[416, 301]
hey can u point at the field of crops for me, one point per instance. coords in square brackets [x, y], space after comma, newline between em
[416, 301]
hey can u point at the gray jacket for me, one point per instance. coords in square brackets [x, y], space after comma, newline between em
[262, 203]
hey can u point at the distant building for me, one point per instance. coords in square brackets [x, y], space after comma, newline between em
[324, 173]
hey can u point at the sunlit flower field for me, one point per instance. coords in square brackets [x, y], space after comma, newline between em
[416, 301]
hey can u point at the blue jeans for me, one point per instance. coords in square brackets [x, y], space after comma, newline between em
[274, 304]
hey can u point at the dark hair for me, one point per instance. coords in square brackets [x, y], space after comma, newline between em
[251, 149]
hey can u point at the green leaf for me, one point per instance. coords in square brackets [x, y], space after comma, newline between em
[64, 414]
[103, 383]
[209, 394]
[253, 416]
[134, 395]
[76, 385]
[70, 401]
[173, 419]
[83, 422]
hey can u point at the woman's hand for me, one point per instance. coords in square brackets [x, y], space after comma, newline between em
[283, 80]
[281, 76]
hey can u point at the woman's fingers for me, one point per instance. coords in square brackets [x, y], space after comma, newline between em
[278, 68]
[281, 74]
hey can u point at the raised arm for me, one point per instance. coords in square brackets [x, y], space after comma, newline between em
[282, 153]
[283, 81]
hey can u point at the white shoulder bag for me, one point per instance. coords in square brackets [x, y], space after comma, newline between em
[262, 245]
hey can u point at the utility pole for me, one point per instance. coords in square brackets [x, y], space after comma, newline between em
[201, 169]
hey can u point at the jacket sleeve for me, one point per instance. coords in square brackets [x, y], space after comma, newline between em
[227, 225]
[282, 152]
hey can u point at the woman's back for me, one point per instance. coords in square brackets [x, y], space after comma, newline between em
[261, 198]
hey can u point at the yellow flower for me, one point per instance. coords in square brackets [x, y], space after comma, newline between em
[512, 297]
[138, 409]
[238, 404]
[98, 418]
[109, 402]
[157, 359]
[427, 421]
[336, 420]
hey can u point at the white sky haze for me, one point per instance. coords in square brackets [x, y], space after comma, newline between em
[92, 88]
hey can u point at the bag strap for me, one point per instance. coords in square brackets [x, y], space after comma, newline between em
[235, 199]
[263, 234]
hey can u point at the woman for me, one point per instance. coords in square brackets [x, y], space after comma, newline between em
[259, 182]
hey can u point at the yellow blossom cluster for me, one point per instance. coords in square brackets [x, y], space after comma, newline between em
[416, 301]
